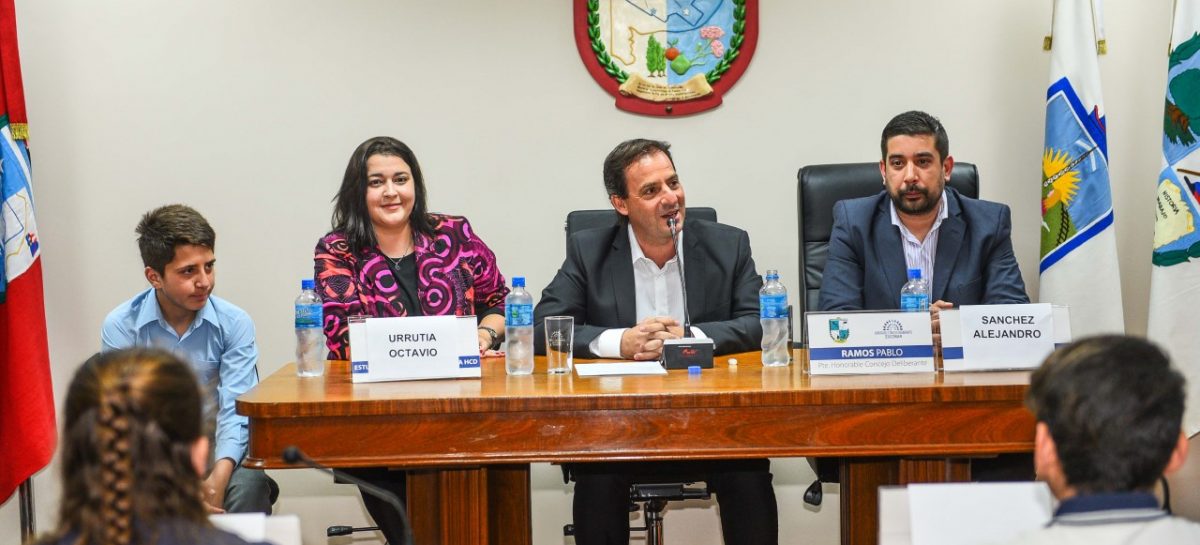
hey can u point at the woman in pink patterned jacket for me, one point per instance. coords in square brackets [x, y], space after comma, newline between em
[388, 256]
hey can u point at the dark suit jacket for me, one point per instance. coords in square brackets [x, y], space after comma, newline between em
[596, 286]
[974, 263]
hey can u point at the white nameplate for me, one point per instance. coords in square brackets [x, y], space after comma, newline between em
[868, 343]
[259, 528]
[962, 513]
[413, 348]
[999, 337]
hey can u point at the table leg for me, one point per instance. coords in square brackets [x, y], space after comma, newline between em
[862, 477]
[470, 506]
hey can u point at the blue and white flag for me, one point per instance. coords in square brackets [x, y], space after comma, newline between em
[1079, 265]
[1175, 277]
[18, 230]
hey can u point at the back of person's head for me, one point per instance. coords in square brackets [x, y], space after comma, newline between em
[916, 123]
[1114, 408]
[132, 425]
[166, 227]
[627, 153]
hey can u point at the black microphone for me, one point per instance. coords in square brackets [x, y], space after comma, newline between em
[293, 455]
[687, 317]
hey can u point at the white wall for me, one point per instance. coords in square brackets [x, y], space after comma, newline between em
[248, 110]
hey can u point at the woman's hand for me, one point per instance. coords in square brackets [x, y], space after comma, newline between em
[485, 342]
[494, 323]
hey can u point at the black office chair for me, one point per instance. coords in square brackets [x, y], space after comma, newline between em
[580, 220]
[650, 493]
[820, 187]
[653, 497]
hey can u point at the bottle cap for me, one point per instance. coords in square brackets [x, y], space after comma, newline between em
[914, 274]
[307, 284]
[518, 281]
[772, 274]
[693, 369]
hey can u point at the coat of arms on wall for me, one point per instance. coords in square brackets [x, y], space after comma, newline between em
[666, 57]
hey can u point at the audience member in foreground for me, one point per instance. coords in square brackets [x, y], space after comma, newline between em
[133, 454]
[1109, 426]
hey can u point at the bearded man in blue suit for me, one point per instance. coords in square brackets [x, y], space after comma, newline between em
[963, 246]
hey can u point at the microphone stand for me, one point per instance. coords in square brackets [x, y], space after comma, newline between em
[687, 317]
[293, 455]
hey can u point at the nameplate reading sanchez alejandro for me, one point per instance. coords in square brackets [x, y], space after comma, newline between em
[1005, 336]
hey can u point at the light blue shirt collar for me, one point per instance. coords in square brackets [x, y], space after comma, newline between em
[151, 312]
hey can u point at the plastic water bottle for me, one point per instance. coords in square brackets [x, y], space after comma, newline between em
[310, 335]
[518, 329]
[773, 313]
[914, 296]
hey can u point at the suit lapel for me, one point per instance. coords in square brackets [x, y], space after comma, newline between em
[890, 249]
[950, 239]
[619, 269]
[695, 270]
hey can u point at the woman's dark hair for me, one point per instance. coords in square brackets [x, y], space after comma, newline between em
[132, 418]
[350, 215]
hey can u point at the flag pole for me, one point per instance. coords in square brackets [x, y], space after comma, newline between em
[28, 524]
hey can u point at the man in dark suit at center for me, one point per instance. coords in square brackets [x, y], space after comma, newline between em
[621, 284]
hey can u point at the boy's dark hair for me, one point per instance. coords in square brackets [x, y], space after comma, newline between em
[166, 227]
[1114, 406]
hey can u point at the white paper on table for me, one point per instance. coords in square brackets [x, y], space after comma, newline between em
[284, 530]
[895, 527]
[248, 526]
[259, 528]
[619, 368]
[976, 513]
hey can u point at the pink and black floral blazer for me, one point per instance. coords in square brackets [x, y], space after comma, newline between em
[456, 275]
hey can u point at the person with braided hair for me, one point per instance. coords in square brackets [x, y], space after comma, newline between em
[134, 450]
[178, 312]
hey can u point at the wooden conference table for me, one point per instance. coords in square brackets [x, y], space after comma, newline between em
[469, 442]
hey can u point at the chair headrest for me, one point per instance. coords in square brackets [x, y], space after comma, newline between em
[821, 186]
